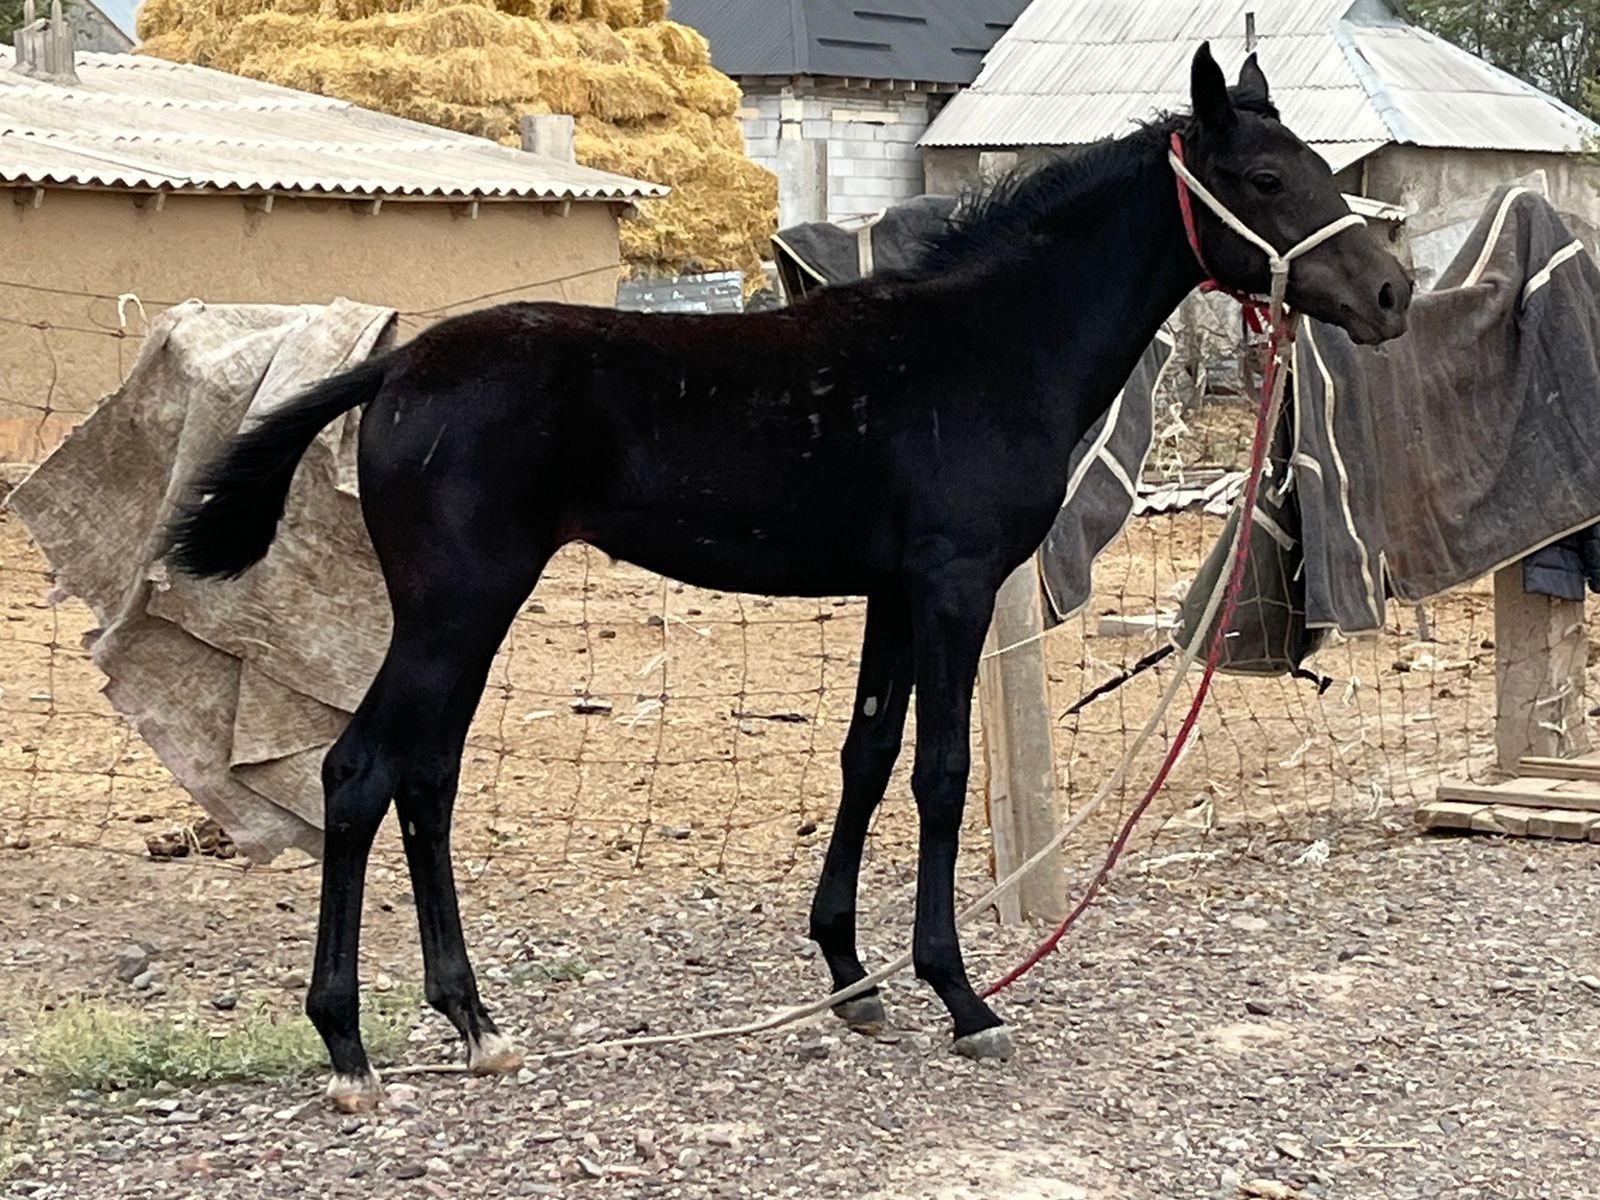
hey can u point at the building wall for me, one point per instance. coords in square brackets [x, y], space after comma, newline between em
[838, 152]
[92, 31]
[1444, 192]
[1419, 179]
[71, 257]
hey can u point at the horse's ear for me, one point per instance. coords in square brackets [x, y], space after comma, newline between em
[1253, 82]
[1208, 87]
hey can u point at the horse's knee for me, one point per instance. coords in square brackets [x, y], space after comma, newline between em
[332, 1008]
[939, 780]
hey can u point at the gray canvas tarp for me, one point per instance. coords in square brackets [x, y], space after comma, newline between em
[239, 687]
[818, 253]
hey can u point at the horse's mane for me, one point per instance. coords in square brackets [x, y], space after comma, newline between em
[1001, 218]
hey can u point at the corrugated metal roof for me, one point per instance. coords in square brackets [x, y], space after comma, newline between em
[929, 41]
[1349, 76]
[144, 123]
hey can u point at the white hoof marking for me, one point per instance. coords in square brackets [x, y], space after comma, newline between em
[492, 1054]
[355, 1093]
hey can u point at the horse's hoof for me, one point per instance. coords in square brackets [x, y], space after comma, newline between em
[994, 1042]
[355, 1093]
[492, 1054]
[863, 1014]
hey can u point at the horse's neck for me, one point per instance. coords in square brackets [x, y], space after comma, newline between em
[1089, 300]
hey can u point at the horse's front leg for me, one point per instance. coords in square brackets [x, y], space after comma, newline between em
[951, 609]
[883, 693]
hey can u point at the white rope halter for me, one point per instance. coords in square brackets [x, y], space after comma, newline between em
[1277, 263]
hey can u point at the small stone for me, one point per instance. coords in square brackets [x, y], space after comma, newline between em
[1592, 982]
[591, 1168]
[1258, 1008]
[676, 833]
[655, 621]
[410, 1171]
[689, 1159]
[224, 1002]
[1269, 1189]
[437, 1166]
[815, 1048]
[525, 1076]
[143, 980]
[293, 980]
[132, 962]
[644, 1143]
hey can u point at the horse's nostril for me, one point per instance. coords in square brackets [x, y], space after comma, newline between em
[1386, 296]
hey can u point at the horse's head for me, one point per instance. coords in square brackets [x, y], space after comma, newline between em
[1283, 191]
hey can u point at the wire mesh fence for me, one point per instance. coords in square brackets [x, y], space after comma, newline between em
[632, 724]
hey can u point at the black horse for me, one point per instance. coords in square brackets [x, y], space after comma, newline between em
[903, 438]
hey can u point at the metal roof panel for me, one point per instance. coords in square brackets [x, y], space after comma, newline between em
[1344, 72]
[927, 41]
[136, 122]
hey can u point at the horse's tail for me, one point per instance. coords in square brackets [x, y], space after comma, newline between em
[238, 500]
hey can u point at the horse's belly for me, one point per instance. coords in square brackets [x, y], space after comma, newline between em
[780, 559]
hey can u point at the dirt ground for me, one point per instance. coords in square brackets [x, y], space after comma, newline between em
[1412, 1018]
[1404, 1018]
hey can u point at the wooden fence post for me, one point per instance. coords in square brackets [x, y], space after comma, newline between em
[1019, 750]
[1541, 651]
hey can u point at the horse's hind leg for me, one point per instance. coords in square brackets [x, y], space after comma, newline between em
[358, 780]
[883, 690]
[405, 742]
[445, 662]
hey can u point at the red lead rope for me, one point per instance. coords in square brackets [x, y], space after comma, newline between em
[1255, 310]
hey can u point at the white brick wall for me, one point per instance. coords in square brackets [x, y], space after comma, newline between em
[873, 160]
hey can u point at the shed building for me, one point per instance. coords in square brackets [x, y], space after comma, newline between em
[1401, 115]
[837, 94]
[138, 183]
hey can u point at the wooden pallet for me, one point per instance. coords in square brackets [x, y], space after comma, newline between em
[1585, 766]
[1550, 798]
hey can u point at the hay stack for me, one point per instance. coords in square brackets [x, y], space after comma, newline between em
[647, 101]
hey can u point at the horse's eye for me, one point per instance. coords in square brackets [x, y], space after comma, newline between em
[1266, 183]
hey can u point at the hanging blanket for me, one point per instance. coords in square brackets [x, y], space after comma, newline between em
[1422, 465]
[239, 687]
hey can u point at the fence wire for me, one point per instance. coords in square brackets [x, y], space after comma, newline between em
[636, 725]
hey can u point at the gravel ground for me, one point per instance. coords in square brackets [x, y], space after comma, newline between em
[1411, 1018]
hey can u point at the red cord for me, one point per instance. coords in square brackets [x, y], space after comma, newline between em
[1241, 555]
